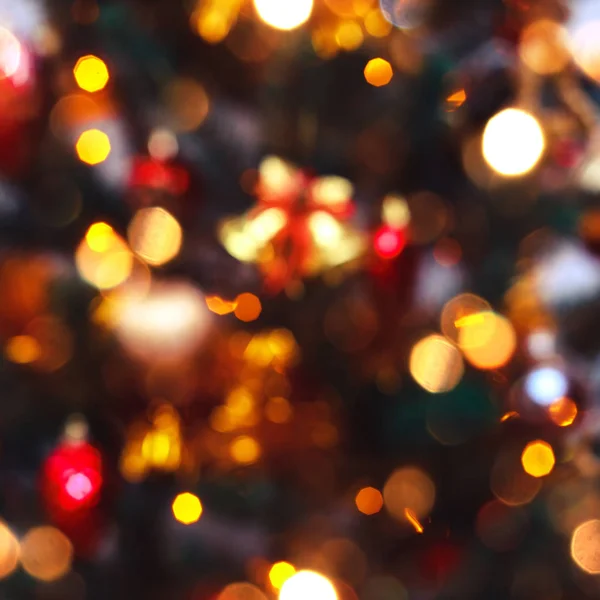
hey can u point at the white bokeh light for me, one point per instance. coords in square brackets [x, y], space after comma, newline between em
[545, 385]
[284, 14]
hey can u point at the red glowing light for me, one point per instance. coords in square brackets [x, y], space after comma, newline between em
[73, 476]
[389, 242]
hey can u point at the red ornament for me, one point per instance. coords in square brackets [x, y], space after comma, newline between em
[73, 476]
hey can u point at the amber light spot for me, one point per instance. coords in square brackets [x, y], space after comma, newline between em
[538, 459]
[585, 546]
[378, 72]
[93, 147]
[412, 519]
[245, 450]
[248, 307]
[563, 412]
[280, 572]
[187, 508]
[91, 73]
[456, 100]
[512, 414]
[23, 349]
[219, 306]
[369, 501]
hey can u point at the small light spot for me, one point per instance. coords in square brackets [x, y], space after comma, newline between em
[248, 307]
[378, 72]
[280, 572]
[91, 73]
[93, 147]
[187, 508]
[369, 501]
[245, 450]
[538, 459]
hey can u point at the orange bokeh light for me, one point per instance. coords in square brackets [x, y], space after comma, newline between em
[378, 72]
[248, 307]
[563, 412]
[369, 501]
[538, 459]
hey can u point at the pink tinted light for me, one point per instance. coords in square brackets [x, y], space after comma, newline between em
[79, 486]
[389, 242]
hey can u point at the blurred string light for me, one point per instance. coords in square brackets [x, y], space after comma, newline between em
[538, 459]
[91, 73]
[488, 340]
[563, 412]
[187, 508]
[284, 15]
[409, 488]
[93, 147]
[279, 573]
[436, 364]
[369, 501]
[245, 450]
[583, 30]
[413, 520]
[155, 235]
[543, 47]
[11, 54]
[46, 553]
[308, 584]
[9, 551]
[585, 546]
[103, 258]
[391, 238]
[513, 142]
[545, 385]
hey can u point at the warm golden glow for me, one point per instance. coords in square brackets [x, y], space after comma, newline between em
[456, 312]
[22, 349]
[585, 546]
[284, 15]
[245, 450]
[188, 102]
[412, 519]
[326, 230]
[46, 553]
[11, 54]
[488, 340]
[308, 584]
[241, 591]
[395, 211]
[9, 551]
[103, 258]
[248, 307]
[378, 72]
[349, 35]
[278, 410]
[93, 146]
[376, 25]
[509, 482]
[187, 508]
[279, 573]
[563, 412]
[538, 459]
[369, 501]
[436, 364]
[513, 142]
[221, 307]
[91, 73]
[409, 488]
[155, 235]
[543, 47]
[585, 48]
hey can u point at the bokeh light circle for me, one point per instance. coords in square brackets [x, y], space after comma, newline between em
[46, 553]
[409, 488]
[241, 591]
[286, 15]
[585, 546]
[436, 364]
[308, 584]
[513, 142]
[9, 551]
[489, 342]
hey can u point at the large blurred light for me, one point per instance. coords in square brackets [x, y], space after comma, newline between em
[543, 47]
[279, 573]
[585, 546]
[545, 385]
[308, 584]
[10, 53]
[285, 15]
[436, 364]
[9, 551]
[538, 459]
[583, 29]
[46, 553]
[513, 142]
[155, 235]
[409, 488]
[488, 340]
[165, 325]
[93, 147]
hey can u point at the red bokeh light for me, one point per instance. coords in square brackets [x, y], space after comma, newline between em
[73, 476]
[389, 242]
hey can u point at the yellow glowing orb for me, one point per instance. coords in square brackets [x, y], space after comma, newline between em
[155, 235]
[280, 572]
[284, 15]
[46, 553]
[563, 412]
[241, 591]
[369, 501]
[538, 459]
[585, 546]
[378, 72]
[308, 584]
[187, 508]
[488, 340]
[436, 364]
[245, 450]
[9, 551]
[23, 349]
[91, 73]
[93, 147]
[513, 142]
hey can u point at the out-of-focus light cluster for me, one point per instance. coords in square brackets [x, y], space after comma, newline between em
[513, 142]
[563, 412]
[279, 573]
[103, 258]
[212, 20]
[246, 307]
[91, 73]
[241, 591]
[11, 54]
[187, 508]
[155, 447]
[436, 364]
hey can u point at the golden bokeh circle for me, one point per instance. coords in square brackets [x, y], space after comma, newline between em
[436, 364]
[585, 546]
[409, 488]
[46, 553]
